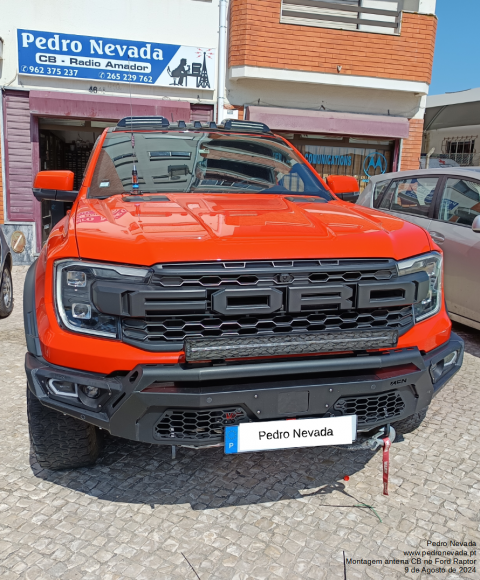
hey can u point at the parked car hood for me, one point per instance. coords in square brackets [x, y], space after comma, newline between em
[206, 227]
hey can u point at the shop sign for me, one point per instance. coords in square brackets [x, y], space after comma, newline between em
[52, 54]
[343, 160]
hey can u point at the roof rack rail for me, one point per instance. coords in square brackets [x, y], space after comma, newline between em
[161, 123]
[245, 126]
[142, 123]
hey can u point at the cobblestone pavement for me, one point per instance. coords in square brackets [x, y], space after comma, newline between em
[138, 514]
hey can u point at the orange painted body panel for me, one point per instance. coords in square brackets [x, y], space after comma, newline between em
[60, 180]
[208, 227]
[205, 227]
[342, 184]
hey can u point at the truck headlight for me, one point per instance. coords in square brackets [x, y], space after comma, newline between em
[432, 265]
[73, 294]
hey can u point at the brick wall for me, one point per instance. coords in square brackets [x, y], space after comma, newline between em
[412, 147]
[258, 39]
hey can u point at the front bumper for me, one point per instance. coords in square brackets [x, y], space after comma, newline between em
[191, 404]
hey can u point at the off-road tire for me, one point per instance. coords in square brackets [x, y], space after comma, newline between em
[6, 293]
[60, 441]
[411, 423]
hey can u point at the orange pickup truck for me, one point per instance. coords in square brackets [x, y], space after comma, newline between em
[206, 285]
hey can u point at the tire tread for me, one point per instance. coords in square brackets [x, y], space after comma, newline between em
[60, 441]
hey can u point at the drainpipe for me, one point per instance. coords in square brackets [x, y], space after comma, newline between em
[222, 60]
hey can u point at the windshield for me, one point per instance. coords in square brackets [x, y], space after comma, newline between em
[180, 162]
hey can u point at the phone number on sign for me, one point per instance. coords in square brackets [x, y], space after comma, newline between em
[47, 70]
[125, 77]
[73, 72]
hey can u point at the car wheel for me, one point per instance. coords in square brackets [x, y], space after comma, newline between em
[411, 423]
[60, 441]
[6, 293]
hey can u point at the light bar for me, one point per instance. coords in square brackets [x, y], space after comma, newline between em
[275, 345]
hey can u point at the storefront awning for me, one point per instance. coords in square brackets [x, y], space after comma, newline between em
[77, 105]
[460, 109]
[305, 121]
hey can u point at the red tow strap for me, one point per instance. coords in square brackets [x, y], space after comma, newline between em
[386, 464]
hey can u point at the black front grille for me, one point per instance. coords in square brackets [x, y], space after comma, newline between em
[372, 408]
[195, 425]
[242, 274]
[162, 329]
[196, 318]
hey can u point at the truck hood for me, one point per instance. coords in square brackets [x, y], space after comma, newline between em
[208, 227]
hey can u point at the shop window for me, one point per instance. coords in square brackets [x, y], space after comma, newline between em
[411, 196]
[460, 202]
[353, 159]
[380, 16]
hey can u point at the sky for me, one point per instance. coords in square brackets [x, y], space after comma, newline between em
[456, 64]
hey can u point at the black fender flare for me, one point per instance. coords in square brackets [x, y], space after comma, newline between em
[29, 312]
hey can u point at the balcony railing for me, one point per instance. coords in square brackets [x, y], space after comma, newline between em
[380, 16]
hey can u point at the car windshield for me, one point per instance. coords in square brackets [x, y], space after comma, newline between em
[202, 162]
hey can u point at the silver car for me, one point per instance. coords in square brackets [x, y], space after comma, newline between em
[446, 202]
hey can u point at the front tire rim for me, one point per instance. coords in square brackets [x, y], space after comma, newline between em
[7, 289]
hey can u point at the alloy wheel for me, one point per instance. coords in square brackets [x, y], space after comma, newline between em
[7, 289]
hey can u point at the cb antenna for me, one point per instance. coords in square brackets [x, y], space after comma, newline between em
[132, 137]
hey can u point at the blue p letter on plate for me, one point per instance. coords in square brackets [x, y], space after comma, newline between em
[231, 439]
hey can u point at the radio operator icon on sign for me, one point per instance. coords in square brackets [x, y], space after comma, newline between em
[197, 70]
[180, 73]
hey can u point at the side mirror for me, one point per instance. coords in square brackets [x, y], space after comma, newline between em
[54, 186]
[344, 186]
[476, 224]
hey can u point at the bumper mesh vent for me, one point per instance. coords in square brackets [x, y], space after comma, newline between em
[372, 408]
[196, 425]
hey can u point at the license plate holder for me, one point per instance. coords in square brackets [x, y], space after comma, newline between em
[288, 434]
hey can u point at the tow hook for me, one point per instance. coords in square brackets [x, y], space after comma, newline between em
[386, 442]
[384, 438]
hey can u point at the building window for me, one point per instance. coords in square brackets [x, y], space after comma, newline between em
[380, 16]
[459, 149]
